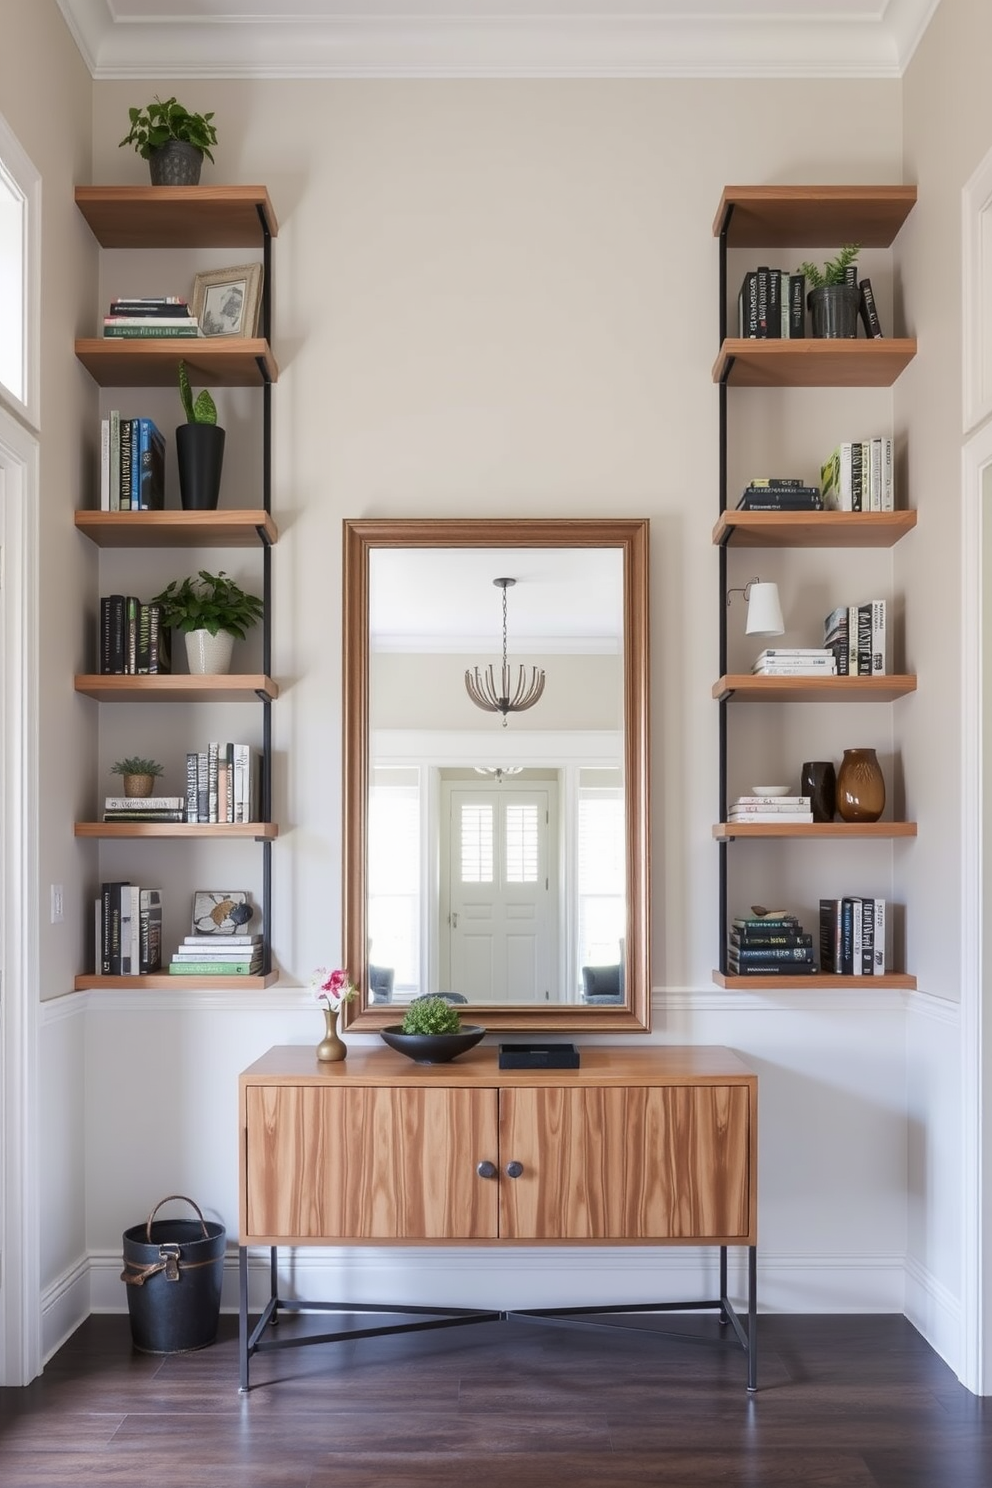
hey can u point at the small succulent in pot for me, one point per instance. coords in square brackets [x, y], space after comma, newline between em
[138, 774]
[431, 1015]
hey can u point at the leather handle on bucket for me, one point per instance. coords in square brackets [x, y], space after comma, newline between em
[168, 1198]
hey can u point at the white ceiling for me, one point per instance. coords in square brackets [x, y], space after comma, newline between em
[497, 38]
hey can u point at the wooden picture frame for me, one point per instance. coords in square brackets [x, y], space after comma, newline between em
[226, 301]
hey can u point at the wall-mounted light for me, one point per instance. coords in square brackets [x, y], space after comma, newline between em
[764, 610]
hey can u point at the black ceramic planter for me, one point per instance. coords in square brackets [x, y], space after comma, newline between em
[200, 449]
[176, 163]
[432, 1048]
[834, 309]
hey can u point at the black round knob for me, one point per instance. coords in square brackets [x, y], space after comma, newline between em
[486, 1169]
[514, 1169]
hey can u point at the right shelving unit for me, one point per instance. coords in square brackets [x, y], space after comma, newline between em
[802, 217]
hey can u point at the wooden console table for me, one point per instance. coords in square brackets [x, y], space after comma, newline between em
[647, 1146]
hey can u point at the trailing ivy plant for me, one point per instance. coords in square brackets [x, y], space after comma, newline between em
[157, 123]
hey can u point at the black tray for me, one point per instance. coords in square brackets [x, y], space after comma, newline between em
[538, 1056]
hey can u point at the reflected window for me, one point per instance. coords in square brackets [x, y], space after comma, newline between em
[477, 842]
[601, 868]
[394, 875]
[521, 842]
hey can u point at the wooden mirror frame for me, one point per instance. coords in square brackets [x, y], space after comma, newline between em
[630, 535]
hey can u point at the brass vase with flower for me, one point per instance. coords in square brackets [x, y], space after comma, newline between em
[331, 1049]
[332, 990]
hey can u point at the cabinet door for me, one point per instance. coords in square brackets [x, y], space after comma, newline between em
[369, 1164]
[670, 1163]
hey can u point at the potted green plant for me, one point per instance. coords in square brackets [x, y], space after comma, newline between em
[199, 448]
[432, 1031]
[172, 140]
[138, 774]
[212, 611]
[832, 301]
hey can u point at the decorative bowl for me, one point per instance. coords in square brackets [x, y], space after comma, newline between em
[771, 790]
[432, 1048]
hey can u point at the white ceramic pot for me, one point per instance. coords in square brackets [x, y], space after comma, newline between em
[209, 654]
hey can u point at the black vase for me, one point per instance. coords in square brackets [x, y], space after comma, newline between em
[819, 781]
[200, 448]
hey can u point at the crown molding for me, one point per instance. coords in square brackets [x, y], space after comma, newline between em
[876, 42]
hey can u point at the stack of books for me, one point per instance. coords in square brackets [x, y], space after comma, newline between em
[857, 476]
[144, 808]
[133, 641]
[777, 809]
[222, 783]
[159, 316]
[128, 930]
[780, 493]
[856, 637]
[218, 955]
[852, 936]
[132, 464]
[774, 944]
[796, 661]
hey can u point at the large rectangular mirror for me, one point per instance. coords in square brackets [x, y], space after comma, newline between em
[496, 770]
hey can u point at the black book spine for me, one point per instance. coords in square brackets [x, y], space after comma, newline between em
[747, 305]
[797, 305]
[869, 311]
[763, 274]
[117, 634]
[127, 428]
[847, 937]
[774, 331]
[864, 640]
[105, 644]
[867, 937]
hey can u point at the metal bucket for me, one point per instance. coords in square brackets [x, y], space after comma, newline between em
[173, 1269]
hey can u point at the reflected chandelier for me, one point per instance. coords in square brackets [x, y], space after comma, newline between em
[481, 683]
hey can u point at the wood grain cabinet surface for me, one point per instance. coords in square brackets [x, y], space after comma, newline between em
[638, 1146]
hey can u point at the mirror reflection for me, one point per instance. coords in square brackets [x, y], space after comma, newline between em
[497, 844]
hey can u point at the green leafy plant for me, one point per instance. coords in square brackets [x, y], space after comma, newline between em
[210, 602]
[431, 1015]
[201, 411]
[834, 271]
[135, 766]
[157, 123]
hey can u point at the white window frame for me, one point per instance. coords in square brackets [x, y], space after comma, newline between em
[28, 181]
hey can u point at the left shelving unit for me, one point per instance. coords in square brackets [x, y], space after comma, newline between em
[196, 217]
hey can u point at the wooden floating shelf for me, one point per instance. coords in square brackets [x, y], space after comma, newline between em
[814, 529]
[153, 361]
[747, 688]
[176, 689]
[163, 982]
[177, 529]
[726, 831]
[178, 216]
[807, 216]
[813, 362]
[253, 831]
[821, 981]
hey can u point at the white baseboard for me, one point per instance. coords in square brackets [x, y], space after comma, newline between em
[64, 1305]
[935, 1312]
[503, 1280]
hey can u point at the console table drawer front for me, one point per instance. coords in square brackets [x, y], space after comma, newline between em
[369, 1163]
[665, 1163]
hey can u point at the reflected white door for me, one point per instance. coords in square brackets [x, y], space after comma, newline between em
[499, 892]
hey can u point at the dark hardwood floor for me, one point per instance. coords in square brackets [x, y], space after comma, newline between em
[844, 1402]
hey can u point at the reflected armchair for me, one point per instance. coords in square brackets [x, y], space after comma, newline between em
[602, 984]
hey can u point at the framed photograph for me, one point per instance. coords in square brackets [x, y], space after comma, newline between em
[226, 301]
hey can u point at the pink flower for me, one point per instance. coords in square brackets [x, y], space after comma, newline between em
[332, 988]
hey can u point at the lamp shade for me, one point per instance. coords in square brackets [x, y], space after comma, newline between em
[764, 611]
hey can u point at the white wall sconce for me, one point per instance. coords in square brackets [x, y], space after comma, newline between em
[764, 609]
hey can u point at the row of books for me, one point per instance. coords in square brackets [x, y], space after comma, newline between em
[128, 930]
[771, 809]
[774, 944]
[856, 637]
[132, 464]
[771, 304]
[852, 936]
[222, 784]
[795, 661]
[161, 316]
[217, 955]
[780, 493]
[133, 639]
[857, 476]
[144, 808]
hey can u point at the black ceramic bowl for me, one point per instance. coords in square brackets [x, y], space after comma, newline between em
[432, 1048]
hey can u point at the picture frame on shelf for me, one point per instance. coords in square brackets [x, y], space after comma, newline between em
[226, 301]
[221, 912]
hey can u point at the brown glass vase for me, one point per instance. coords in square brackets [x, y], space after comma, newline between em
[860, 786]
